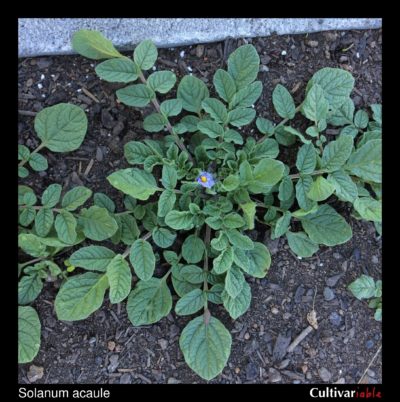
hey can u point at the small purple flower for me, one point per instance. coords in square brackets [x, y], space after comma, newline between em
[206, 179]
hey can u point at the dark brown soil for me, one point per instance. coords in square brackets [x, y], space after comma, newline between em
[106, 348]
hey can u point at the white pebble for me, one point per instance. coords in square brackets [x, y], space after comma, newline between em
[189, 68]
[154, 68]
[252, 106]
[321, 264]
[182, 54]
[299, 258]
[358, 55]
[52, 76]
[40, 86]
[284, 53]
[91, 65]
[69, 84]
[42, 77]
[43, 95]
[79, 90]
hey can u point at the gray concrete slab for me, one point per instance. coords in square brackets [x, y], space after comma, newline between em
[46, 36]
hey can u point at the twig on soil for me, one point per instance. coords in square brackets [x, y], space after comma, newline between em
[299, 338]
[370, 364]
[76, 158]
[88, 168]
[27, 113]
[89, 94]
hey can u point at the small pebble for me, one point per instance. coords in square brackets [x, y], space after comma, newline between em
[369, 344]
[40, 86]
[357, 254]
[42, 77]
[284, 53]
[163, 343]
[337, 256]
[251, 371]
[312, 43]
[237, 370]
[324, 374]
[274, 310]
[329, 294]
[247, 336]
[125, 379]
[172, 380]
[375, 259]
[335, 319]
[333, 280]
[182, 54]
[274, 375]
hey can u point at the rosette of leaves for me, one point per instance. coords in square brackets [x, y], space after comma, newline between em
[204, 133]
[61, 128]
[365, 287]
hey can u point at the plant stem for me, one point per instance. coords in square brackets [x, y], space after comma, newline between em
[281, 123]
[178, 141]
[24, 264]
[22, 163]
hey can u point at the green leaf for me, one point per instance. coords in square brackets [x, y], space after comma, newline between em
[120, 279]
[92, 258]
[62, 127]
[265, 126]
[103, 201]
[117, 70]
[243, 65]
[171, 107]
[283, 136]
[97, 223]
[361, 119]
[233, 136]
[211, 128]
[238, 305]
[142, 259]
[93, 45]
[154, 123]
[38, 162]
[134, 182]
[301, 244]
[266, 173]
[378, 314]
[345, 188]
[320, 189]
[23, 152]
[138, 95]
[282, 224]
[259, 260]
[369, 209]
[191, 302]
[136, 152]
[326, 226]
[377, 112]
[303, 185]
[216, 109]
[23, 172]
[221, 242]
[296, 133]
[169, 177]
[283, 102]
[166, 202]
[315, 106]
[349, 130]
[29, 329]
[27, 216]
[192, 274]
[241, 116]
[190, 123]
[80, 296]
[214, 294]
[224, 85]
[286, 189]
[29, 198]
[65, 225]
[231, 183]
[163, 237]
[249, 213]
[76, 197]
[193, 249]
[51, 195]
[366, 162]
[233, 221]
[336, 83]
[363, 287]
[223, 261]
[161, 81]
[29, 288]
[234, 281]
[31, 245]
[239, 240]
[368, 136]
[44, 221]
[206, 346]
[179, 220]
[268, 148]
[247, 96]
[129, 229]
[149, 302]
[336, 153]
[306, 159]
[192, 92]
[145, 54]
[342, 115]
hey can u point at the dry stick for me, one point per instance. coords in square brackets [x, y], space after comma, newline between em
[89, 167]
[370, 363]
[90, 95]
[178, 142]
[299, 338]
[27, 113]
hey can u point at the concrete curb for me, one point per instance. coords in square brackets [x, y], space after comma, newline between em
[51, 36]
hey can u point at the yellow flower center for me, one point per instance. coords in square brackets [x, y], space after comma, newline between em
[203, 179]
